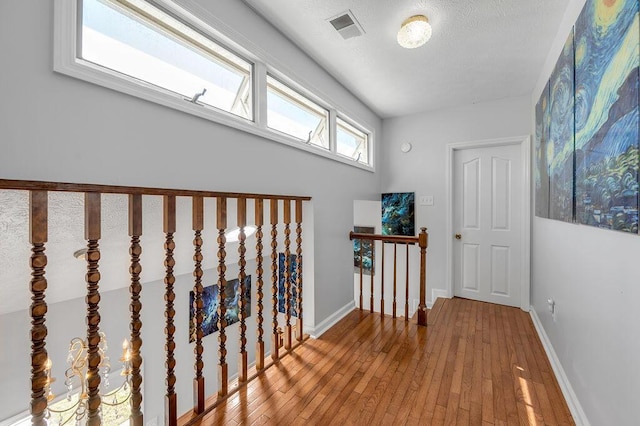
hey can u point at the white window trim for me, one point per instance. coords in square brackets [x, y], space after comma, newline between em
[65, 61]
[356, 126]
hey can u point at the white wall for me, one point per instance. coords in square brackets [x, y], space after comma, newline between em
[56, 128]
[423, 168]
[65, 321]
[592, 274]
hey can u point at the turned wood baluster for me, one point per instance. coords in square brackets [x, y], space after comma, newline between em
[287, 273]
[382, 282]
[198, 381]
[169, 225]
[242, 222]
[372, 268]
[275, 336]
[395, 276]
[92, 235]
[223, 367]
[38, 219]
[135, 250]
[259, 219]
[423, 241]
[361, 273]
[406, 297]
[299, 330]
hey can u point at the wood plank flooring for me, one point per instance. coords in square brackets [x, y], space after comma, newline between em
[475, 364]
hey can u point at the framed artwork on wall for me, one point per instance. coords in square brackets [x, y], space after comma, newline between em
[367, 247]
[606, 119]
[398, 216]
[293, 285]
[210, 306]
[587, 123]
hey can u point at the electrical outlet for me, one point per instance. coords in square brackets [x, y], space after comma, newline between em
[426, 200]
[153, 422]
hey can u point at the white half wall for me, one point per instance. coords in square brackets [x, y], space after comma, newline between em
[423, 169]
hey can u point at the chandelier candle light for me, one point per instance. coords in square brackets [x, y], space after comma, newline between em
[414, 32]
[77, 372]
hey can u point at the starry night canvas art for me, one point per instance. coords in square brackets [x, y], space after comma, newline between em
[542, 165]
[587, 122]
[560, 144]
[606, 117]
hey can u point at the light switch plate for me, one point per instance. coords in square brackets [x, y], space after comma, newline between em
[426, 200]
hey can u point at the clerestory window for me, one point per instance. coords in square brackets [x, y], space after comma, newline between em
[139, 40]
[171, 53]
[352, 142]
[296, 115]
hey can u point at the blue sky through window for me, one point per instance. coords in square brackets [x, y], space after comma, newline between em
[293, 114]
[124, 44]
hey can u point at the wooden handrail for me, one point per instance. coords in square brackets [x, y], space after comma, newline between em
[32, 185]
[422, 240]
[293, 292]
[403, 239]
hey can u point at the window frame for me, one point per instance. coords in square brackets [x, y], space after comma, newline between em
[350, 123]
[312, 106]
[66, 37]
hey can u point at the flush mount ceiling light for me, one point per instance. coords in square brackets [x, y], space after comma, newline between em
[414, 32]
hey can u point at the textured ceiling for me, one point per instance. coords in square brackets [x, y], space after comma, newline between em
[480, 49]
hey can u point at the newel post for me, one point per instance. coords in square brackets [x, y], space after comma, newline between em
[423, 241]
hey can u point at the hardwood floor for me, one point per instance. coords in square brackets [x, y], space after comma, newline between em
[476, 363]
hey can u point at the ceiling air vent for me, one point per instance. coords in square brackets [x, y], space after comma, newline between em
[346, 24]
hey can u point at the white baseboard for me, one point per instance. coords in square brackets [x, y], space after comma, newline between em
[577, 412]
[435, 293]
[325, 325]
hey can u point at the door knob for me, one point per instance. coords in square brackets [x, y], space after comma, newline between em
[458, 236]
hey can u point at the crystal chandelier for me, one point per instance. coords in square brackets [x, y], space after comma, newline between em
[76, 377]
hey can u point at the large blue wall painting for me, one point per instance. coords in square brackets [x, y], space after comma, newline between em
[542, 165]
[607, 56]
[210, 306]
[293, 285]
[560, 146]
[599, 71]
[398, 214]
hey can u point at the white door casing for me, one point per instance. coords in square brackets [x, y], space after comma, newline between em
[489, 206]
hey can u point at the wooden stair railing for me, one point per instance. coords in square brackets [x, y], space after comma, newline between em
[38, 232]
[422, 242]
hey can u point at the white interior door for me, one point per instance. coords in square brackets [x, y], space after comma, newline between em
[487, 224]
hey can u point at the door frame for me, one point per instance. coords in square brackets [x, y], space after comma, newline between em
[525, 151]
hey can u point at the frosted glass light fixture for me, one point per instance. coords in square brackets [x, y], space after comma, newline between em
[414, 32]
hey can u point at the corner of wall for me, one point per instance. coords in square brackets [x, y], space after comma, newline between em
[330, 321]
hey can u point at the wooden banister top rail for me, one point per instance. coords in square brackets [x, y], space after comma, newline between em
[29, 185]
[387, 238]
